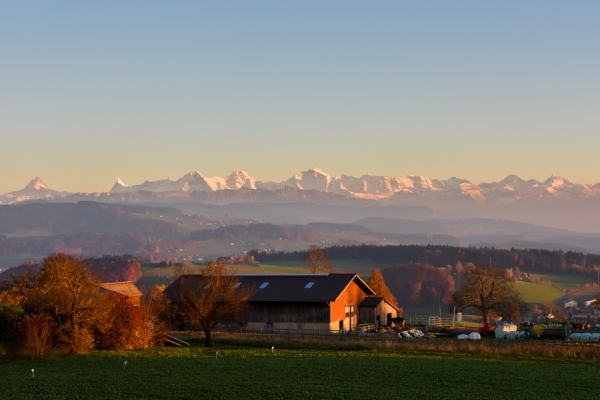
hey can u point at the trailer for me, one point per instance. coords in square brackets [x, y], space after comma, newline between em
[549, 330]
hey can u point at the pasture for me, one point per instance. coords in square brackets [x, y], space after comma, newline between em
[537, 293]
[257, 372]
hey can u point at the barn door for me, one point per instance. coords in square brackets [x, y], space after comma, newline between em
[350, 320]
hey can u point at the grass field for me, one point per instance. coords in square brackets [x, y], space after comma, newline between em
[257, 373]
[566, 281]
[536, 293]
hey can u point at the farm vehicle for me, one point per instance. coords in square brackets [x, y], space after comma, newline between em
[549, 330]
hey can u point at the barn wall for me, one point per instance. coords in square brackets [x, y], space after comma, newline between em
[287, 313]
[367, 314]
[351, 296]
[289, 327]
[370, 314]
[385, 309]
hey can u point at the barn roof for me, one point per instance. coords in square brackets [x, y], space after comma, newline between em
[374, 301]
[126, 288]
[314, 288]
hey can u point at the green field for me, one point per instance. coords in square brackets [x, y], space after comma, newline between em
[255, 373]
[536, 293]
[361, 267]
[565, 281]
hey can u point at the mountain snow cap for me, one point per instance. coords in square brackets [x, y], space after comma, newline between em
[36, 184]
[556, 181]
[121, 183]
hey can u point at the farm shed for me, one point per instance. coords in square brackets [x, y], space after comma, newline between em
[125, 289]
[306, 302]
[377, 311]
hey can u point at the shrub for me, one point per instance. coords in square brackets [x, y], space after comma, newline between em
[125, 329]
[37, 332]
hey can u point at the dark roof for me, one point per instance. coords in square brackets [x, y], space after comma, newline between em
[374, 301]
[371, 301]
[291, 288]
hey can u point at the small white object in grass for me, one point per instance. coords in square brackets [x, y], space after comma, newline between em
[32, 373]
[124, 364]
[272, 349]
[216, 355]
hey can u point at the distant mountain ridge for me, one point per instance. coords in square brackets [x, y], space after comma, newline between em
[367, 187]
[314, 196]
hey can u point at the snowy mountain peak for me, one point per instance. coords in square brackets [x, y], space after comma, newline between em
[119, 186]
[36, 189]
[36, 184]
[556, 181]
[239, 179]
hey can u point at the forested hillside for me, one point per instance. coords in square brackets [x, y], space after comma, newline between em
[441, 256]
[85, 216]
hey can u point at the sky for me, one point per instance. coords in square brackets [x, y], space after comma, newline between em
[144, 90]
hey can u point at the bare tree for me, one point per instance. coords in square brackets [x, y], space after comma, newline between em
[487, 291]
[315, 261]
[37, 332]
[215, 297]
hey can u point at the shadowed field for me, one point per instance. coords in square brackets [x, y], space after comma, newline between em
[257, 372]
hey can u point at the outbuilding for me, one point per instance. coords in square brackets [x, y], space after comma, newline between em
[378, 311]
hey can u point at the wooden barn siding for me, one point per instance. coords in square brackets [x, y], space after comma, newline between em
[351, 296]
[369, 314]
[387, 309]
[288, 312]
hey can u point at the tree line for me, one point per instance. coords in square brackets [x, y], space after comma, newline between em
[558, 261]
[63, 306]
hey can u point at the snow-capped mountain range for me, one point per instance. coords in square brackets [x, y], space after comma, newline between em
[412, 188]
[375, 187]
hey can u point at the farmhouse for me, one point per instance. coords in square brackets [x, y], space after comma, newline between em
[126, 289]
[307, 302]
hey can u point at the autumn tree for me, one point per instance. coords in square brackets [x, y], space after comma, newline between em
[486, 290]
[67, 291]
[37, 331]
[209, 299]
[126, 327]
[377, 283]
[459, 267]
[315, 261]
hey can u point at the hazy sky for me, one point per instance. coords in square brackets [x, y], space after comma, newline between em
[143, 90]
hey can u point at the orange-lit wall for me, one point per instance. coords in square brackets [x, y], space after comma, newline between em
[352, 296]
